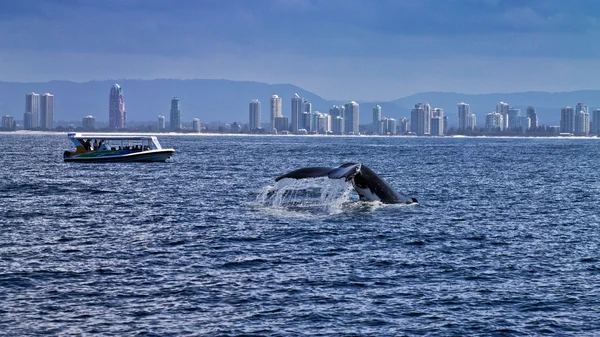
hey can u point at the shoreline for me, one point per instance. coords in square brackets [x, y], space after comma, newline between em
[177, 134]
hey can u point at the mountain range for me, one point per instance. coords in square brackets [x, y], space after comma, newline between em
[227, 101]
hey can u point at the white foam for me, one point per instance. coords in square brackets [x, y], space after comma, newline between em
[321, 195]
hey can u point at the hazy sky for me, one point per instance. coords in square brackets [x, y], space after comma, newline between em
[339, 49]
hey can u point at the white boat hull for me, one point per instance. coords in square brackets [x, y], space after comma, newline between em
[143, 156]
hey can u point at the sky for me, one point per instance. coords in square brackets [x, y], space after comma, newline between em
[338, 49]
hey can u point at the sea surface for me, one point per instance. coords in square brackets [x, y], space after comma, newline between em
[505, 239]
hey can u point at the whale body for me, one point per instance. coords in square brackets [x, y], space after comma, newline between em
[368, 185]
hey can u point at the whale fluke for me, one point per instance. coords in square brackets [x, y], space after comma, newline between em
[368, 185]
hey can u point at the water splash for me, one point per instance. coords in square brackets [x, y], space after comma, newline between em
[318, 194]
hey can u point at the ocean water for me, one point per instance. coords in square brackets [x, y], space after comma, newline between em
[505, 239]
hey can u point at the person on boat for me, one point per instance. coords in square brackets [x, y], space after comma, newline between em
[87, 144]
[95, 144]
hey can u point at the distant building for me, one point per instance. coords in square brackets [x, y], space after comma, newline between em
[282, 123]
[89, 123]
[254, 115]
[514, 118]
[525, 123]
[175, 114]
[464, 113]
[403, 126]
[162, 124]
[196, 125]
[494, 121]
[306, 121]
[32, 105]
[337, 125]
[582, 120]
[567, 120]
[297, 110]
[337, 111]
[28, 120]
[117, 116]
[438, 128]
[595, 122]
[391, 126]
[376, 117]
[351, 117]
[472, 122]
[502, 109]
[275, 110]
[445, 125]
[47, 112]
[530, 112]
[8, 122]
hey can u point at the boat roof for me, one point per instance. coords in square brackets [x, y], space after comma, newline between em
[109, 136]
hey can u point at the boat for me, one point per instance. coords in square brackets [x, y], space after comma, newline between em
[96, 147]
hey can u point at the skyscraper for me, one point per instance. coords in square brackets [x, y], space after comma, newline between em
[532, 117]
[32, 105]
[376, 117]
[254, 115]
[438, 129]
[595, 122]
[47, 112]
[420, 119]
[282, 124]
[297, 110]
[337, 111]
[175, 114]
[464, 113]
[502, 108]
[27, 120]
[567, 120]
[351, 116]
[493, 121]
[196, 125]
[162, 125]
[89, 123]
[514, 118]
[275, 110]
[117, 116]
[582, 120]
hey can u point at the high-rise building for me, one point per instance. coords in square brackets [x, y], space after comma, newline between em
[532, 117]
[582, 120]
[376, 117]
[282, 123]
[502, 108]
[117, 116]
[337, 111]
[47, 112]
[391, 126]
[254, 115]
[471, 122]
[196, 125]
[493, 121]
[32, 105]
[417, 114]
[275, 110]
[337, 125]
[306, 121]
[514, 118]
[28, 120]
[525, 123]
[175, 114]
[403, 126]
[297, 110]
[595, 122]
[89, 123]
[438, 130]
[162, 124]
[8, 122]
[351, 116]
[567, 120]
[445, 125]
[464, 113]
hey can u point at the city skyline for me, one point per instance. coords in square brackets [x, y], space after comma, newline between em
[540, 45]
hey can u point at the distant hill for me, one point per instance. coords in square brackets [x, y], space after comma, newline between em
[227, 101]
